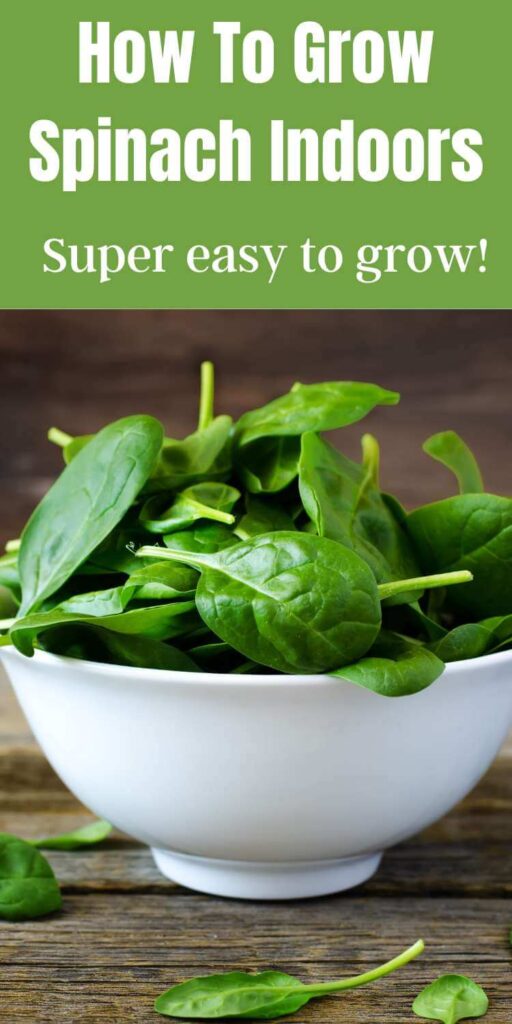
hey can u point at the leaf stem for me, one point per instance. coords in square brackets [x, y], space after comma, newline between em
[59, 437]
[207, 395]
[371, 458]
[6, 624]
[13, 546]
[444, 579]
[174, 555]
[364, 979]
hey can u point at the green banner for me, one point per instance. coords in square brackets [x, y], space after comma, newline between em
[279, 155]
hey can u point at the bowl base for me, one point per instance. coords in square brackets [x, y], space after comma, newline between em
[260, 880]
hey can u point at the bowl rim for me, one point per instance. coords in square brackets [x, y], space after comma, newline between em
[170, 676]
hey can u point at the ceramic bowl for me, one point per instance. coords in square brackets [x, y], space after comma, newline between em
[263, 787]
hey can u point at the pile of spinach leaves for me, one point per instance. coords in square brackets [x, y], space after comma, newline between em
[257, 546]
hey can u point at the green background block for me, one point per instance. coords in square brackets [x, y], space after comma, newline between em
[469, 87]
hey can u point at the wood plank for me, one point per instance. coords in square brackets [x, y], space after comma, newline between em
[106, 957]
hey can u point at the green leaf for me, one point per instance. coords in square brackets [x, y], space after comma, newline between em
[28, 887]
[204, 455]
[9, 576]
[262, 515]
[212, 501]
[161, 622]
[394, 667]
[206, 538]
[450, 999]
[451, 451]
[93, 643]
[315, 407]
[474, 532]
[264, 996]
[162, 581]
[82, 507]
[343, 502]
[270, 465]
[290, 601]
[89, 835]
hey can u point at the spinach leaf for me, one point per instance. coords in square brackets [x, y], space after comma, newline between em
[206, 537]
[269, 465]
[474, 532]
[9, 576]
[28, 887]
[451, 998]
[162, 581]
[89, 835]
[211, 501]
[93, 643]
[85, 503]
[344, 503]
[473, 639]
[262, 515]
[394, 667]
[204, 455]
[449, 449]
[161, 622]
[315, 407]
[97, 603]
[291, 601]
[264, 996]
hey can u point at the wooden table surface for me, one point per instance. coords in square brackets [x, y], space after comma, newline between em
[125, 933]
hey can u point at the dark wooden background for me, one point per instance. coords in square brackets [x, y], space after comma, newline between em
[79, 370]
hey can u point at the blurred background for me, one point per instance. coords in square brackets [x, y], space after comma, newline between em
[78, 370]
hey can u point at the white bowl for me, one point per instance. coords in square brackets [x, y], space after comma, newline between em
[263, 787]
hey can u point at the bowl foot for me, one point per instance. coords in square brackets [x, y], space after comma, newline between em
[260, 880]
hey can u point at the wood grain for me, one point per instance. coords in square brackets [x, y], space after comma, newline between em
[126, 933]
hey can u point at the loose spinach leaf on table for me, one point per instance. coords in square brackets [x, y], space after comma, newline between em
[474, 532]
[450, 999]
[264, 996]
[28, 887]
[449, 449]
[85, 503]
[88, 835]
[394, 667]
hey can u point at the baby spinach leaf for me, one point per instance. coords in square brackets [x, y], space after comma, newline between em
[93, 643]
[28, 887]
[291, 601]
[394, 667]
[89, 835]
[98, 603]
[450, 450]
[264, 996]
[343, 501]
[160, 622]
[474, 532]
[9, 575]
[204, 455]
[262, 515]
[206, 537]
[82, 507]
[162, 581]
[315, 407]
[212, 501]
[269, 465]
[450, 999]
[473, 639]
